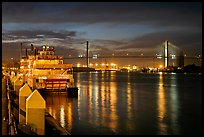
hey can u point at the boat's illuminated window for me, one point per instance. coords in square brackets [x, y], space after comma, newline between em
[69, 71]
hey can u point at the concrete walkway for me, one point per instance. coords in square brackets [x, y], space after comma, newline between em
[4, 108]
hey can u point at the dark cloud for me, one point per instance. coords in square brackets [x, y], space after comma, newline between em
[182, 39]
[157, 14]
[180, 23]
[35, 33]
[99, 44]
[148, 43]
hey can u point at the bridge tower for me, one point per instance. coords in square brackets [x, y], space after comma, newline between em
[166, 58]
[87, 53]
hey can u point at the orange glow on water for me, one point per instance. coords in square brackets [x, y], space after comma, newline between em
[161, 105]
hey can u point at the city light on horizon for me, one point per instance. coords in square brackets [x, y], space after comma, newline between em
[161, 66]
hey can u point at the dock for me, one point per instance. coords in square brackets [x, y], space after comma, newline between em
[16, 128]
[4, 108]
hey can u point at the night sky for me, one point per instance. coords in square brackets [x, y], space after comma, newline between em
[111, 28]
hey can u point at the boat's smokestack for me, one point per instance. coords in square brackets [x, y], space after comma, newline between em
[35, 51]
[31, 47]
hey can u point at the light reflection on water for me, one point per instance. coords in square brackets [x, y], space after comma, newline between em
[129, 103]
[161, 106]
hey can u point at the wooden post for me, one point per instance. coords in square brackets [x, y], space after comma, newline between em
[12, 73]
[24, 92]
[13, 79]
[35, 112]
[17, 85]
[23, 78]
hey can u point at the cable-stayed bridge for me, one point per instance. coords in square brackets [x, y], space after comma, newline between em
[168, 51]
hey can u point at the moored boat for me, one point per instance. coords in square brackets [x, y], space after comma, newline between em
[43, 70]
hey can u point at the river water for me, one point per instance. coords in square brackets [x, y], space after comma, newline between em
[130, 103]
